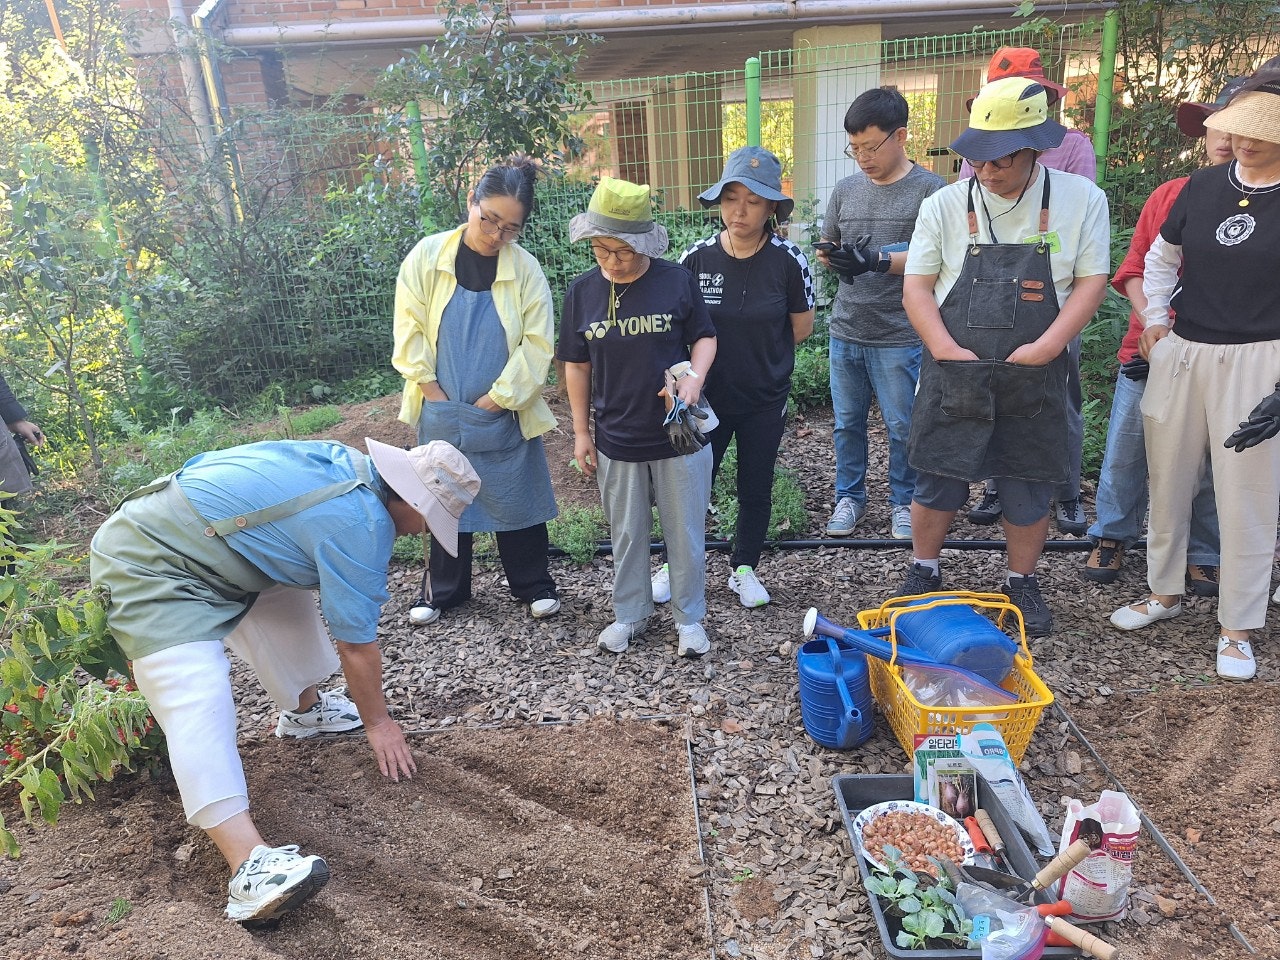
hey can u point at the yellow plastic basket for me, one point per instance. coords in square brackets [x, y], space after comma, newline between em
[909, 717]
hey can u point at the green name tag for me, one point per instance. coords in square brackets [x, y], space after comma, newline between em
[1051, 238]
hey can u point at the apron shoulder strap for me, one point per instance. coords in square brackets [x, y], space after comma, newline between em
[1044, 202]
[287, 508]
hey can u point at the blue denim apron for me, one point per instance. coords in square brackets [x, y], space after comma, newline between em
[515, 484]
[975, 419]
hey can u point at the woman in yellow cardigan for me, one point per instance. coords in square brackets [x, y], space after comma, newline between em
[473, 341]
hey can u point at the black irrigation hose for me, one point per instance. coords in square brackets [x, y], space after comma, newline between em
[1150, 827]
[724, 546]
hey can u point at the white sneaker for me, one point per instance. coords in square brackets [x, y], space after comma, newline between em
[333, 713]
[1275, 597]
[900, 529]
[545, 607]
[273, 881]
[617, 636]
[660, 583]
[423, 613]
[693, 640]
[751, 593]
[1232, 666]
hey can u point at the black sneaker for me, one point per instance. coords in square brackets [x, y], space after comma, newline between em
[1202, 580]
[1068, 515]
[1024, 593]
[987, 510]
[920, 579]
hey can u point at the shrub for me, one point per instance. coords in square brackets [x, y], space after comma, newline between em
[787, 518]
[578, 531]
[70, 716]
[310, 421]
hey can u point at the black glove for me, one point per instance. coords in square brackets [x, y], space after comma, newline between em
[854, 259]
[1263, 424]
[1135, 369]
[684, 435]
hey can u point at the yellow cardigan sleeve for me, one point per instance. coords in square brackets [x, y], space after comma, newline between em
[416, 319]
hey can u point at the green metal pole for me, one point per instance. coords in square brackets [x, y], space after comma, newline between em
[418, 145]
[753, 102]
[1106, 88]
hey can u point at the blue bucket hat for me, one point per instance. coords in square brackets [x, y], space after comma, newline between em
[760, 172]
[1009, 115]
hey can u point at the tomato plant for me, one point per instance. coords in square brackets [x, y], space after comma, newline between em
[69, 715]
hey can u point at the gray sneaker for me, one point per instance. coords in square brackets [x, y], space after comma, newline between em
[845, 517]
[901, 526]
[1024, 593]
[333, 713]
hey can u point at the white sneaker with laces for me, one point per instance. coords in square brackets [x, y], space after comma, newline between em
[617, 636]
[660, 583]
[900, 528]
[750, 591]
[693, 640]
[333, 713]
[273, 881]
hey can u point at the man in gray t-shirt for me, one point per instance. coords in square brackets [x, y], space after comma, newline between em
[868, 222]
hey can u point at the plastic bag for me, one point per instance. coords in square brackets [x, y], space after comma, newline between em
[1002, 928]
[984, 749]
[942, 686]
[1098, 887]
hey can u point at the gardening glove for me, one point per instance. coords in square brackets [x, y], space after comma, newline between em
[1135, 369]
[854, 259]
[1263, 424]
[685, 437]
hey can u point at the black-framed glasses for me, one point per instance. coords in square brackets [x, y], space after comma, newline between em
[493, 227]
[1000, 163]
[622, 255]
[859, 153]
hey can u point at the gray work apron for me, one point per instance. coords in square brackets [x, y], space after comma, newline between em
[975, 419]
[515, 482]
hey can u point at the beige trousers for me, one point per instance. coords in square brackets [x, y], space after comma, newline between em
[1196, 396]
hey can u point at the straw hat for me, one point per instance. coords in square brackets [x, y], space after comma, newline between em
[1254, 113]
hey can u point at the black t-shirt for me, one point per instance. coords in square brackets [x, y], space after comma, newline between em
[1228, 292]
[473, 270]
[751, 301]
[659, 316]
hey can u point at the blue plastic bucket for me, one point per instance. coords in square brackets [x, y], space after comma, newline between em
[961, 636]
[835, 693]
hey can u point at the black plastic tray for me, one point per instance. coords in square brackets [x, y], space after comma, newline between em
[857, 791]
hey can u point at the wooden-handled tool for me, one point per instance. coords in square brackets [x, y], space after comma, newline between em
[982, 853]
[993, 836]
[1061, 865]
[1093, 945]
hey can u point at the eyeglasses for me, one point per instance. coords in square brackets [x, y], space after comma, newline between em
[492, 227]
[1003, 163]
[858, 153]
[622, 255]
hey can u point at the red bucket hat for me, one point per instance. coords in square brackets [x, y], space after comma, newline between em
[1020, 62]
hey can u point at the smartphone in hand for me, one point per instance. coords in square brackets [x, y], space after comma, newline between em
[826, 246]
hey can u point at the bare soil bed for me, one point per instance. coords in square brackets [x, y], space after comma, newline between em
[553, 814]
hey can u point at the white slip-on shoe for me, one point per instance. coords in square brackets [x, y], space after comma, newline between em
[1235, 659]
[1127, 618]
[423, 613]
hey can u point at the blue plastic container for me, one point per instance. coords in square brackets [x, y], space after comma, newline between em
[960, 636]
[835, 693]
